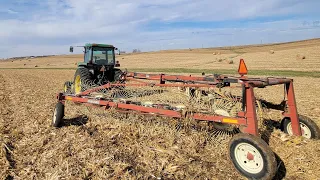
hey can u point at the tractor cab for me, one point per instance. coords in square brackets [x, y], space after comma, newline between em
[98, 68]
[99, 54]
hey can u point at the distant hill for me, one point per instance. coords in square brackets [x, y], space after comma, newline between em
[298, 56]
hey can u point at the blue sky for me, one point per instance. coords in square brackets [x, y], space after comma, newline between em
[38, 27]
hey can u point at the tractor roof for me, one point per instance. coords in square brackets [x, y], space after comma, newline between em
[97, 45]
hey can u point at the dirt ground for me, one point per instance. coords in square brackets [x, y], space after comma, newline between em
[94, 144]
[257, 57]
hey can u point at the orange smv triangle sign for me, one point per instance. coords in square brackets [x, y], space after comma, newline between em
[242, 70]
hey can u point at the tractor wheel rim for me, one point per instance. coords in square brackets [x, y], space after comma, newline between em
[54, 119]
[305, 130]
[249, 158]
[65, 88]
[77, 84]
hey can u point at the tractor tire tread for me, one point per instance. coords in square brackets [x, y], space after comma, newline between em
[86, 78]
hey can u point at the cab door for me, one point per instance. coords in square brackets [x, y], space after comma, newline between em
[88, 55]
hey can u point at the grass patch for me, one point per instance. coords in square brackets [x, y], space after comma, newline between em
[286, 73]
[283, 73]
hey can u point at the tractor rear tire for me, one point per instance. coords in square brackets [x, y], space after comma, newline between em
[308, 127]
[252, 157]
[82, 80]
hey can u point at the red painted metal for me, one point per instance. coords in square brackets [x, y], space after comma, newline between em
[136, 80]
[256, 82]
[94, 89]
[251, 115]
[184, 85]
[170, 113]
[292, 106]
[250, 156]
[166, 77]
[144, 84]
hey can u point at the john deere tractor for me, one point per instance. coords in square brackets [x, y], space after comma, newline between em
[98, 68]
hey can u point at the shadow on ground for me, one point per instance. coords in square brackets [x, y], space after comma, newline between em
[281, 169]
[77, 121]
[265, 135]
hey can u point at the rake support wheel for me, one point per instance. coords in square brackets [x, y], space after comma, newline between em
[252, 157]
[309, 128]
[58, 114]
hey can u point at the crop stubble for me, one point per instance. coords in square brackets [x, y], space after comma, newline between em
[97, 144]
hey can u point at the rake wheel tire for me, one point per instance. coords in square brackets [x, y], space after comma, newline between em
[252, 157]
[58, 114]
[82, 80]
[306, 124]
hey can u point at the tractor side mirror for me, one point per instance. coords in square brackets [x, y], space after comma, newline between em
[71, 49]
[117, 64]
[116, 49]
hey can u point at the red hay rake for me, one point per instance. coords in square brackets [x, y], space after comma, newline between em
[250, 155]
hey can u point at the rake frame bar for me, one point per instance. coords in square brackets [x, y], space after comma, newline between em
[247, 118]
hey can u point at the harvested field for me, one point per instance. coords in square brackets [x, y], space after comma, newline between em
[257, 57]
[96, 144]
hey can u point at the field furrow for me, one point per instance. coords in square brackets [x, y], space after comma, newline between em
[7, 131]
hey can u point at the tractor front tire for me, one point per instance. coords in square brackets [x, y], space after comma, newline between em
[252, 157]
[82, 80]
[68, 87]
[309, 128]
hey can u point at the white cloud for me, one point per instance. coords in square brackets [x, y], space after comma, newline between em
[52, 24]
[12, 12]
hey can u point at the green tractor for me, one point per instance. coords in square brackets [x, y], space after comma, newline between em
[98, 68]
